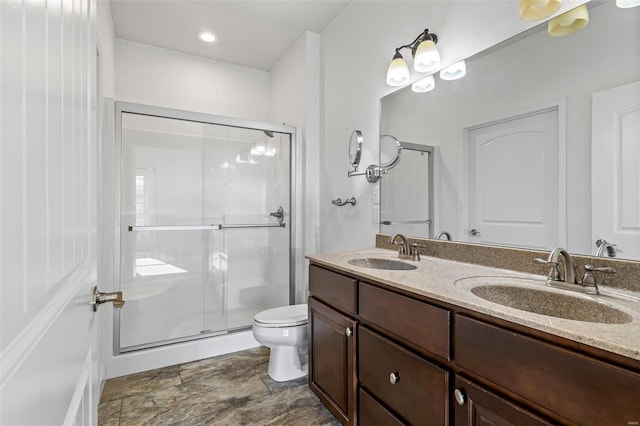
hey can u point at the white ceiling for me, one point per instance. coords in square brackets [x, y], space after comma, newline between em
[254, 33]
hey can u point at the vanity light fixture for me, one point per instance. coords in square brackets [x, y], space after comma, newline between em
[398, 72]
[426, 58]
[569, 22]
[426, 84]
[627, 3]
[535, 10]
[206, 36]
[454, 72]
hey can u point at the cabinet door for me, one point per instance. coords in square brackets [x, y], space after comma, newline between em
[332, 360]
[475, 406]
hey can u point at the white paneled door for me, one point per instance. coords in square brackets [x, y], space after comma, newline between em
[47, 212]
[615, 175]
[514, 182]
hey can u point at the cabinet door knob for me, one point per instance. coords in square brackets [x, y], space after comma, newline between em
[348, 332]
[394, 377]
[460, 396]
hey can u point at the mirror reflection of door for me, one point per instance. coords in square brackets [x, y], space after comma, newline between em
[514, 181]
[406, 193]
[615, 174]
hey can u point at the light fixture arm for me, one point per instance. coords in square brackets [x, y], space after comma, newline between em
[425, 35]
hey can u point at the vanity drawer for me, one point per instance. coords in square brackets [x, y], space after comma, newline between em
[332, 288]
[420, 325]
[577, 388]
[371, 413]
[419, 394]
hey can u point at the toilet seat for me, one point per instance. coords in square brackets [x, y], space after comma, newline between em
[284, 316]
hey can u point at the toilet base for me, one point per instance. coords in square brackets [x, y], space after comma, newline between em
[284, 364]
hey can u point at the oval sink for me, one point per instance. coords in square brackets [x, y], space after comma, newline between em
[552, 304]
[388, 264]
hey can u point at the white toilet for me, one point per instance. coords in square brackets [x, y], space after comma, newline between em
[284, 330]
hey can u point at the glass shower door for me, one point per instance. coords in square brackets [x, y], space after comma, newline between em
[200, 252]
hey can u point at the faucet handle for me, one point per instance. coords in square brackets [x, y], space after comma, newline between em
[415, 252]
[554, 273]
[606, 269]
[589, 281]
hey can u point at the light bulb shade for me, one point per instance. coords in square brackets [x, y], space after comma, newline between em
[426, 84]
[398, 72]
[535, 10]
[627, 3]
[569, 22]
[427, 57]
[454, 72]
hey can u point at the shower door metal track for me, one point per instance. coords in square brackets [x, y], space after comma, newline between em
[205, 227]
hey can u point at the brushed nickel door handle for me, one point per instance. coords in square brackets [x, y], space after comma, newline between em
[99, 298]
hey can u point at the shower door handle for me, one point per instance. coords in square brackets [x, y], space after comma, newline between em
[278, 214]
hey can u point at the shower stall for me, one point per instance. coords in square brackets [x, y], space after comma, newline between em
[205, 224]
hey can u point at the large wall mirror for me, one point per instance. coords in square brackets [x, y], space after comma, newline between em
[538, 145]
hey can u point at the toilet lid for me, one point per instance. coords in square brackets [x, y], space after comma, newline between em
[284, 315]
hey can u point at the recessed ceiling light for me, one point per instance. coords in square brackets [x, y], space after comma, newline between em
[207, 36]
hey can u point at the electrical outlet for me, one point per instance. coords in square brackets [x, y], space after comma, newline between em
[375, 214]
[375, 198]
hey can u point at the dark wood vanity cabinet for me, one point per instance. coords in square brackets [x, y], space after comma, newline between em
[572, 387]
[382, 357]
[333, 337]
[412, 387]
[332, 360]
[476, 406]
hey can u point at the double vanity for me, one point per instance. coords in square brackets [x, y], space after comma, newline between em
[441, 342]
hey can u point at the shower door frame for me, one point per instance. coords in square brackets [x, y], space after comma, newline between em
[122, 107]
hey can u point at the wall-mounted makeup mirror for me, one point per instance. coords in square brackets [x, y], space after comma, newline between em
[355, 149]
[584, 186]
[389, 156]
[390, 150]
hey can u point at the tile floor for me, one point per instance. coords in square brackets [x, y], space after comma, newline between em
[231, 389]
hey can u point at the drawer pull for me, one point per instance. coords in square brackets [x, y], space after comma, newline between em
[348, 332]
[394, 378]
[460, 396]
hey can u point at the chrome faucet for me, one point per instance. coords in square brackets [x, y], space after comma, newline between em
[603, 245]
[568, 279]
[404, 248]
[443, 234]
[569, 269]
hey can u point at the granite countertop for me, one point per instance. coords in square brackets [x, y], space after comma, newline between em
[451, 282]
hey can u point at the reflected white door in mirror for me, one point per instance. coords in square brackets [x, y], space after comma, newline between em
[514, 181]
[615, 175]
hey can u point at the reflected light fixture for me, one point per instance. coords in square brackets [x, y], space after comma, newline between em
[627, 3]
[454, 72]
[206, 36]
[535, 10]
[569, 22]
[426, 84]
[426, 58]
